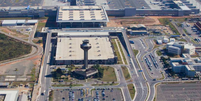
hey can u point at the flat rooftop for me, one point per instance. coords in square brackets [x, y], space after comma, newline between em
[83, 34]
[68, 48]
[81, 14]
[11, 95]
[181, 5]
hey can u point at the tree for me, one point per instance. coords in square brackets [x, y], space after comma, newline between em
[58, 73]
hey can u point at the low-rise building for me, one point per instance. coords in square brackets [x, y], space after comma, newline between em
[174, 50]
[186, 65]
[182, 47]
[165, 40]
[159, 42]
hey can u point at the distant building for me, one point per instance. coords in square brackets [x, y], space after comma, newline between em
[9, 23]
[198, 25]
[10, 95]
[189, 49]
[165, 40]
[139, 29]
[159, 42]
[18, 22]
[186, 65]
[174, 50]
[81, 16]
[4, 84]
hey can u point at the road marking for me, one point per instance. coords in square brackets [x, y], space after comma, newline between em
[134, 67]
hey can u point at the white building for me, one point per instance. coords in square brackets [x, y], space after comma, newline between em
[165, 40]
[184, 48]
[174, 50]
[68, 49]
[186, 65]
[159, 42]
[190, 49]
[81, 16]
[18, 22]
[10, 95]
[9, 23]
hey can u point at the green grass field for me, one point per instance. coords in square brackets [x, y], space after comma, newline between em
[158, 52]
[40, 26]
[135, 52]
[131, 90]
[108, 74]
[116, 52]
[126, 73]
[122, 52]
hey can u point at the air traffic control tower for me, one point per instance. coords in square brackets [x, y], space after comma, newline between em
[85, 46]
[86, 71]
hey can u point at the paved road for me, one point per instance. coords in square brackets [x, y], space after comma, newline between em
[45, 80]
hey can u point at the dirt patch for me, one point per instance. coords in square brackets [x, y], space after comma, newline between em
[13, 33]
[119, 22]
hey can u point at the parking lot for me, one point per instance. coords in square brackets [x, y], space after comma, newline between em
[68, 95]
[107, 95]
[179, 92]
[193, 32]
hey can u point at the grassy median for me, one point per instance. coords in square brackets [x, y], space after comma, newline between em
[131, 90]
[135, 52]
[122, 52]
[126, 73]
[116, 51]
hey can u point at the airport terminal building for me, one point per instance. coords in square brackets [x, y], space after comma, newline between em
[81, 16]
[68, 49]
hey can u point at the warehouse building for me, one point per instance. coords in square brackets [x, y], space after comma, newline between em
[68, 49]
[81, 16]
[18, 22]
[10, 95]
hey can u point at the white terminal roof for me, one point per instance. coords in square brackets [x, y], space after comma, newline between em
[82, 14]
[68, 48]
[11, 95]
[181, 5]
[83, 34]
